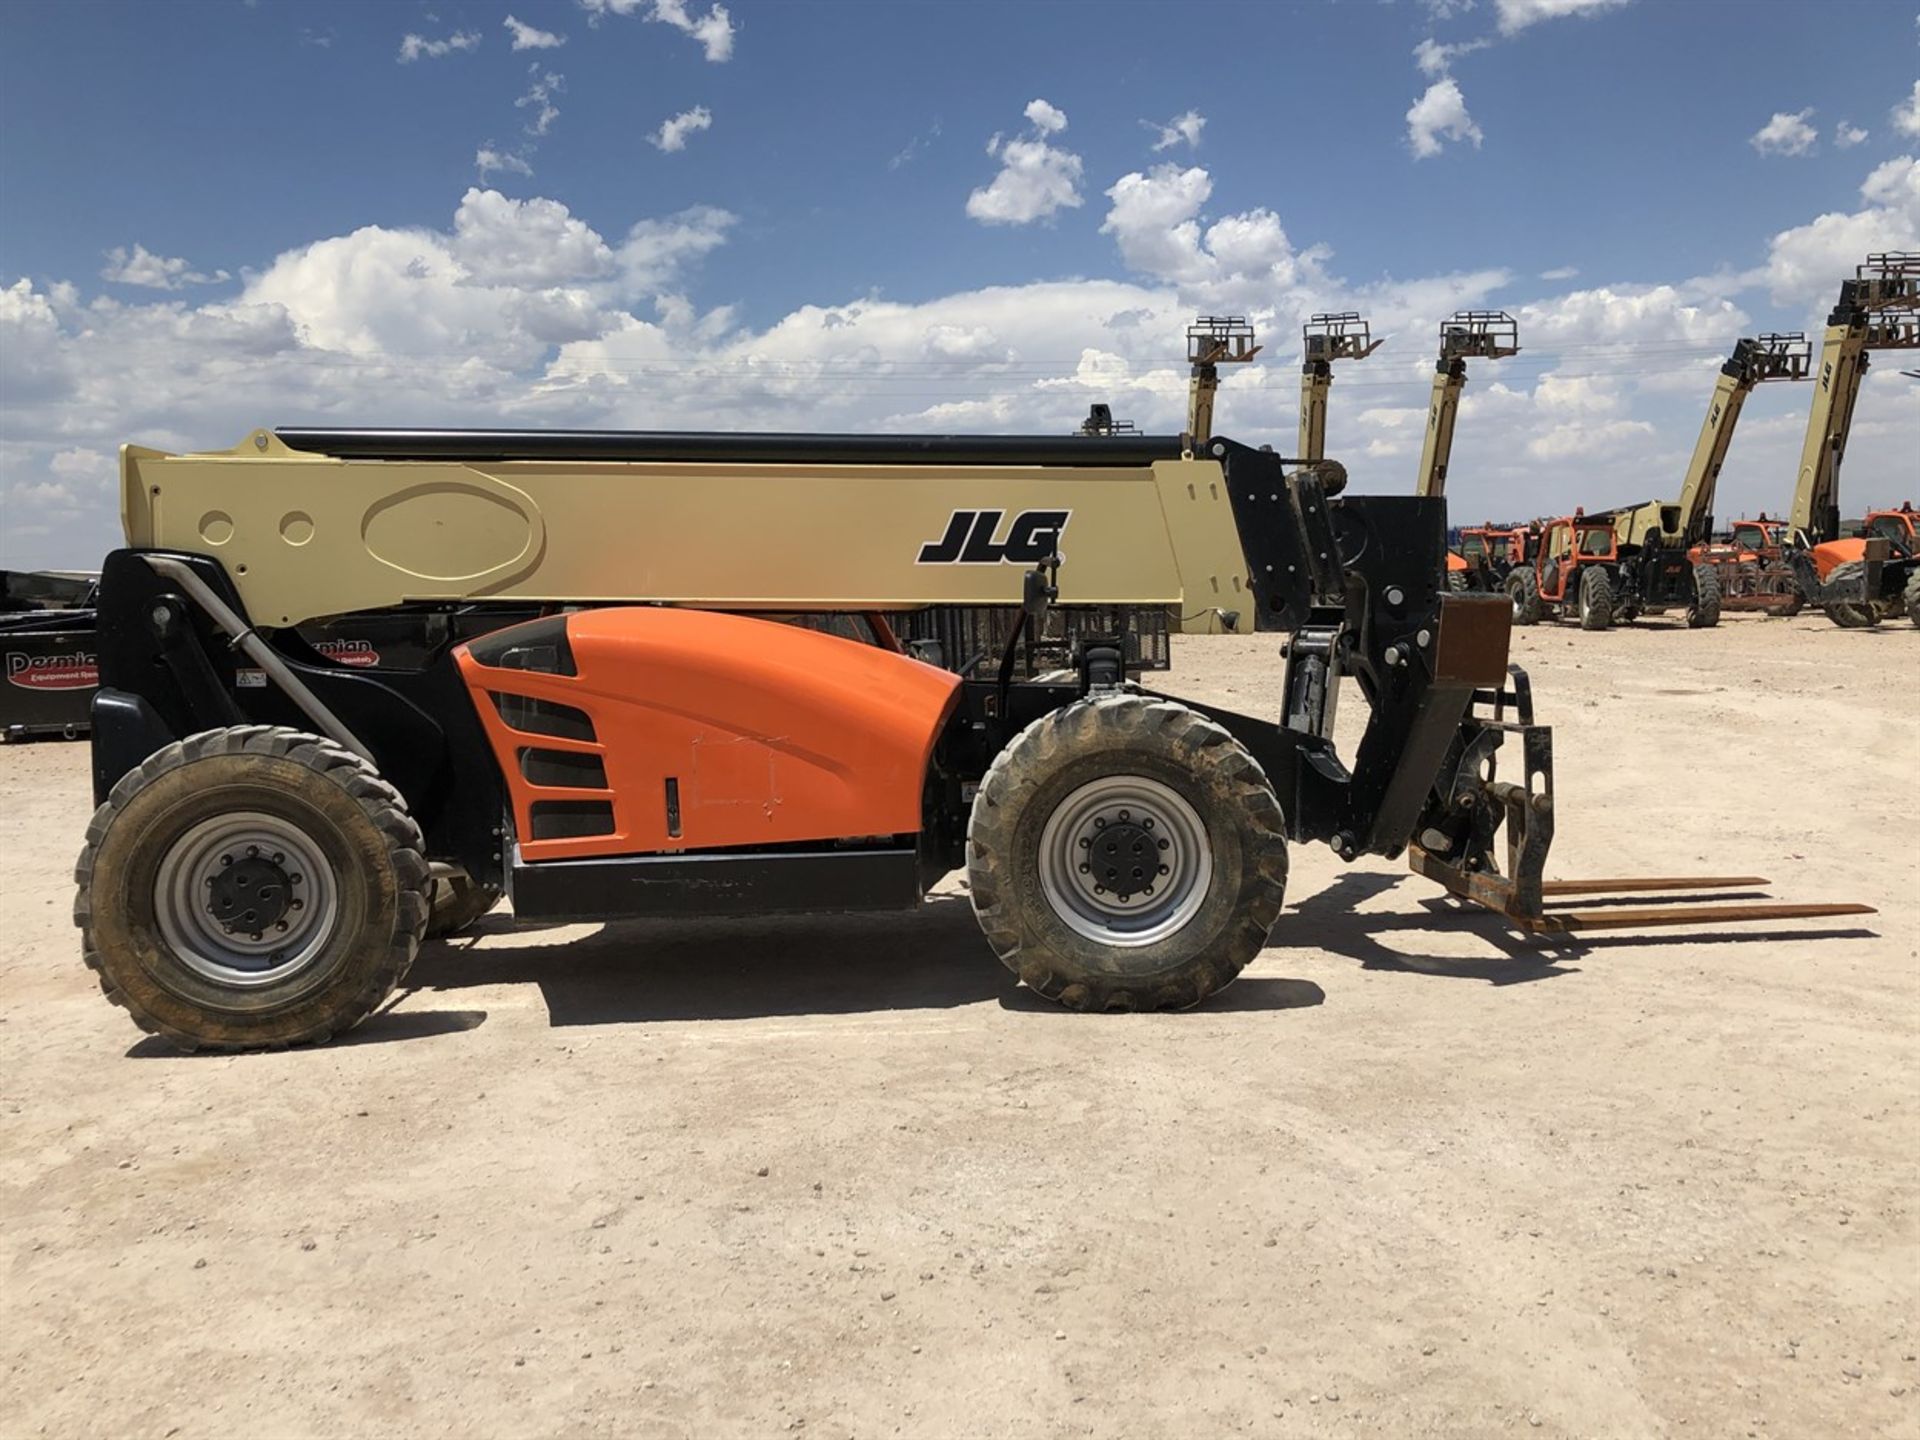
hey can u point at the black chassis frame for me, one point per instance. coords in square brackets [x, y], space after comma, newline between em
[1656, 578]
[1356, 581]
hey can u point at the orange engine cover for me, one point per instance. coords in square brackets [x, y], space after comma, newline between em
[1834, 553]
[690, 730]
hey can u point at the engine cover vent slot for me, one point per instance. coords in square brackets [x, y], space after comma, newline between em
[563, 769]
[571, 819]
[543, 717]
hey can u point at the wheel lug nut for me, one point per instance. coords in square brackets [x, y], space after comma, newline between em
[1163, 870]
[296, 879]
[1148, 822]
[279, 858]
[226, 859]
[1099, 824]
[1099, 889]
[1164, 845]
[296, 904]
[1147, 890]
[253, 852]
[280, 925]
[1085, 842]
[1124, 815]
[1084, 869]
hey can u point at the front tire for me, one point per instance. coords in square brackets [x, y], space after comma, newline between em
[1844, 613]
[1703, 605]
[1126, 853]
[252, 887]
[1523, 589]
[1596, 599]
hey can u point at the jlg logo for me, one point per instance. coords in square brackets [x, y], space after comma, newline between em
[1033, 535]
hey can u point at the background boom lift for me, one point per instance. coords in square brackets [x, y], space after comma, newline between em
[1324, 339]
[1857, 581]
[1665, 556]
[1212, 341]
[1466, 335]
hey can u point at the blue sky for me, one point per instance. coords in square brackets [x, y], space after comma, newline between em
[833, 245]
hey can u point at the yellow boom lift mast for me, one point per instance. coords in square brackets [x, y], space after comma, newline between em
[1466, 335]
[1212, 341]
[1687, 521]
[1325, 339]
[1879, 309]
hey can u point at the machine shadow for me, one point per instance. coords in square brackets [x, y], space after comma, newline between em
[634, 972]
[1341, 931]
[657, 971]
[377, 1029]
[1331, 921]
[1248, 993]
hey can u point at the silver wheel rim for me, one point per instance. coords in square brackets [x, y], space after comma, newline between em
[1125, 824]
[235, 957]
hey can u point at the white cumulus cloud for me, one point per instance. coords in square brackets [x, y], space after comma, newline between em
[538, 101]
[673, 132]
[529, 243]
[1183, 129]
[714, 30]
[1036, 179]
[1436, 60]
[1242, 261]
[1787, 133]
[1806, 263]
[531, 37]
[1581, 437]
[1847, 135]
[1438, 116]
[490, 160]
[1906, 115]
[1517, 15]
[140, 266]
[1045, 118]
[417, 47]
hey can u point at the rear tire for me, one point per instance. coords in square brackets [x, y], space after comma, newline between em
[252, 887]
[1596, 599]
[1912, 596]
[1844, 613]
[1186, 813]
[1703, 605]
[1523, 589]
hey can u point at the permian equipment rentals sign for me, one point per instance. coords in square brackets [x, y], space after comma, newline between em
[79, 670]
[52, 667]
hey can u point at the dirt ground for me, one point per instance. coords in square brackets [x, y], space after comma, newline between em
[1411, 1176]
